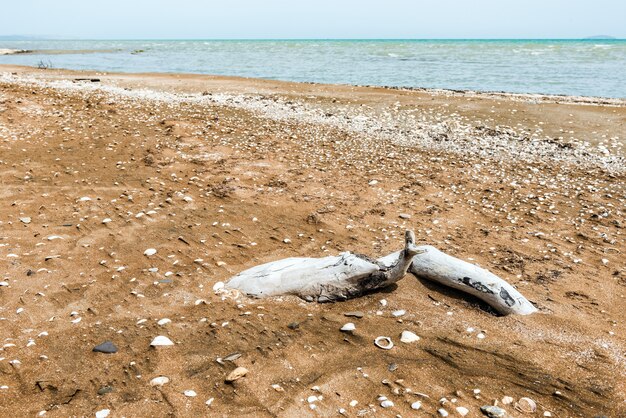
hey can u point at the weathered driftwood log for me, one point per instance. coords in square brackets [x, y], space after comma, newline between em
[325, 279]
[432, 264]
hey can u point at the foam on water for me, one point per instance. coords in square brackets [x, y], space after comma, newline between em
[571, 67]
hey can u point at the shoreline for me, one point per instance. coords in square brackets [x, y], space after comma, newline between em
[459, 131]
[544, 97]
[215, 175]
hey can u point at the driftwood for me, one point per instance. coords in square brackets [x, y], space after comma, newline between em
[434, 265]
[351, 275]
[325, 279]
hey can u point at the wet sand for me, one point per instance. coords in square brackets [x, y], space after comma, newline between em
[216, 172]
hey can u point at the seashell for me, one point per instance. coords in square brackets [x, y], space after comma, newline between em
[159, 381]
[526, 405]
[462, 411]
[348, 327]
[386, 403]
[161, 341]
[190, 393]
[384, 342]
[408, 337]
[236, 374]
[149, 252]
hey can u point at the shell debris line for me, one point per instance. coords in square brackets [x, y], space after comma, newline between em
[128, 205]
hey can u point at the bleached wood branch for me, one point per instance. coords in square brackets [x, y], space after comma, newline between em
[325, 279]
[351, 275]
[434, 265]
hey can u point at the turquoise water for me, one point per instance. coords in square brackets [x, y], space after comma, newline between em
[586, 67]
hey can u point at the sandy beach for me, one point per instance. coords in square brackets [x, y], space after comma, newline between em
[220, 174]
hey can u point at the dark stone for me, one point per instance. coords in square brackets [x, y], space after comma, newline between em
[355, 314]
[293, 325]
[106, 347]
[392, 367]
[104, 390]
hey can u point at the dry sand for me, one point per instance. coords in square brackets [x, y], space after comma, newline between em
[214, 173]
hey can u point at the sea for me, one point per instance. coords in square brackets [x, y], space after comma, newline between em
[590, 67]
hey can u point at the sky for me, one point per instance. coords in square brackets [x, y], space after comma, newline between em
[318, 19]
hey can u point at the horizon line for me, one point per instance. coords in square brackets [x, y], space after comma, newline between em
[51, 38]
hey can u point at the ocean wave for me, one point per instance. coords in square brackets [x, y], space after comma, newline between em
[13, 51]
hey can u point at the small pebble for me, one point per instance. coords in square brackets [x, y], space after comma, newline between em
[149, 252]
[416, 405]
[443, 412]
[190, 393]
[106, 347]
[398, 313]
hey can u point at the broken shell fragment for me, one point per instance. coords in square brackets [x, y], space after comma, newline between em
[526, 405]
[384, 342]
[236, 374]
[408, 337]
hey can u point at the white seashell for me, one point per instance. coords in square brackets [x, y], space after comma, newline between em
[416, 405]
[149, 252]
[84, 199]
[103, 413]
[161, 341]
[190, 393]
[25, 220]
[443, 412]
[386, 403]
[164, 321]
[409, 337]
[159, 381]
[106, 220]
[384, 342]
[348, 327]
[526, 405]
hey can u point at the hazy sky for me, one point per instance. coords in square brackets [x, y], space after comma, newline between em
[123, 19]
